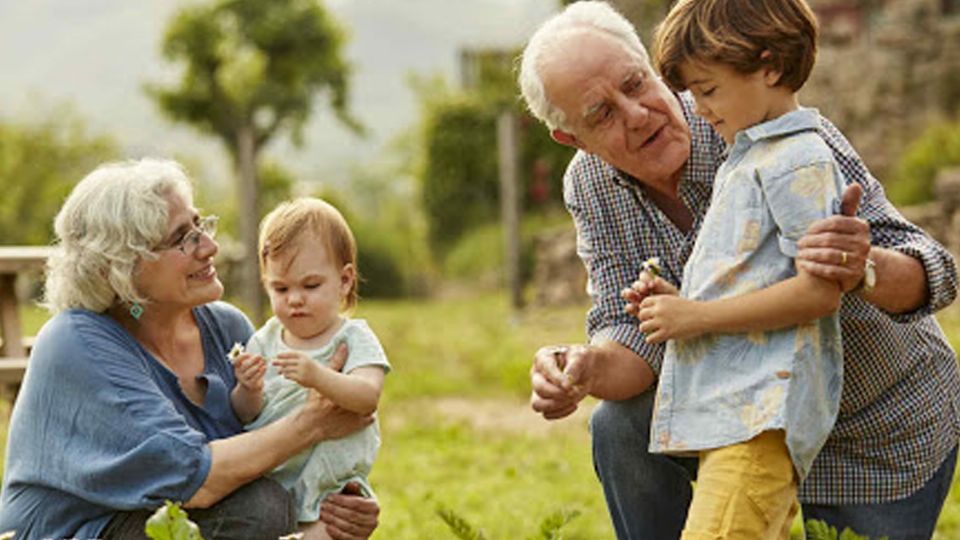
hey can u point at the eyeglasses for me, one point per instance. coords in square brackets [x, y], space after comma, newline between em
[188, 243]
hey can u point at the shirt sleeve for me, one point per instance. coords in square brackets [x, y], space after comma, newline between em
[799, 197]
[364, 348]
[610, 267]
[101, 428]
[889, 229]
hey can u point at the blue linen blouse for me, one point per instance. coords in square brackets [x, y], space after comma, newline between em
[101, 426]
[720, 389]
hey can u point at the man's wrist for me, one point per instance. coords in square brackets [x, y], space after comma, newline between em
[869, 281]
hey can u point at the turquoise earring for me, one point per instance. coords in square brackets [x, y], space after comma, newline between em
[136, 310]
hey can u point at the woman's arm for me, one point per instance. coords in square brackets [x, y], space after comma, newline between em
[239, 459]
[790, 302]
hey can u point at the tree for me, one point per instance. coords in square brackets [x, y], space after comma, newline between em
[39, 165]
[251, 70]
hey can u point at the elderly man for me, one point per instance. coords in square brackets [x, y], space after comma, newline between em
[638, 188]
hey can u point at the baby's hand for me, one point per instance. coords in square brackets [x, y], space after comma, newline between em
[250, 369]
[297, 367]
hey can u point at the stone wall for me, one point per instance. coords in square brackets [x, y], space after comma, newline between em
[885, 71]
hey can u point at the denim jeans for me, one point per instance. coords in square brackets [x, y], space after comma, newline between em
[261, 509]
[648, 494]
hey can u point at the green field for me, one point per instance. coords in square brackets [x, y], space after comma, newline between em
[457, 431]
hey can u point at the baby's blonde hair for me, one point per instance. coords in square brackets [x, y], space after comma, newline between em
[290, 220]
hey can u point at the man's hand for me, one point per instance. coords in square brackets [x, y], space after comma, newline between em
[348, 515]
[664, 317]
[560, 377]
[836, 248]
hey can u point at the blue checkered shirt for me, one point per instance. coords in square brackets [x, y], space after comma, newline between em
[900, 405]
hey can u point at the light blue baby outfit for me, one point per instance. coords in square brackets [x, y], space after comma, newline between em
[326, 467]
[721, 389]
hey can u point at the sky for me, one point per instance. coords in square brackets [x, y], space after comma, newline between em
[96, 55]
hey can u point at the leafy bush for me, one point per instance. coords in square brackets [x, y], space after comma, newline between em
[39, 165]
[917, 168]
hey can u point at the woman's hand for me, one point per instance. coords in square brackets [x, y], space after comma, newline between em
[349, 516]
[321, 419]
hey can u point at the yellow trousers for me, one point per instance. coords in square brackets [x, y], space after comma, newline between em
[747, 491]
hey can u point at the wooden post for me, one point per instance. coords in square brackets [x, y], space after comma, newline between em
[10, 319]
[249, 220]
[510, 204]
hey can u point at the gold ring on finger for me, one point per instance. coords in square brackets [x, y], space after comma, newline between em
[843, 258]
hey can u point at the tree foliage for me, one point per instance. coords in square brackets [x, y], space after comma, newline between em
[251, 69]
[39, 165]
[255, 63]
[459, 169]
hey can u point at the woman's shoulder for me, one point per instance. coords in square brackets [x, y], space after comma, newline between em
[77, 327]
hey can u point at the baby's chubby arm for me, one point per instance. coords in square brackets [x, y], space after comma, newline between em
[357, 391]
[247, 396]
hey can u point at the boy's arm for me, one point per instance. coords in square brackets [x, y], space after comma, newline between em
[790, 302]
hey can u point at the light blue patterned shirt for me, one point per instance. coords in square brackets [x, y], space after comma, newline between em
[720, 389]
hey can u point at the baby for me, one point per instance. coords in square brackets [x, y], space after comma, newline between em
[308, 264]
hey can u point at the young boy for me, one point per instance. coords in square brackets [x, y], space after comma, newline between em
[752, 375]
[308, 262]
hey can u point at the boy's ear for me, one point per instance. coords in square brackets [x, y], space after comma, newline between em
[772, 68]
[566, 139]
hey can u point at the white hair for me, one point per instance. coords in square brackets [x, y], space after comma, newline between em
[111, 220]
[589, 15]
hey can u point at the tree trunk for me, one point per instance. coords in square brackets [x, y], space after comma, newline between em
[246, 164]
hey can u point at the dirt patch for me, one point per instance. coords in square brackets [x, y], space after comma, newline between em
[487, 414]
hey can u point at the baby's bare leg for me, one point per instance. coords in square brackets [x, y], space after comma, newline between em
[314, 530]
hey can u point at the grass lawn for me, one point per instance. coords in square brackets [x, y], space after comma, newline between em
[458, 434]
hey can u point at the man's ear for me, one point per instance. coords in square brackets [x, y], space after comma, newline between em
[772, 68]
[567, 139]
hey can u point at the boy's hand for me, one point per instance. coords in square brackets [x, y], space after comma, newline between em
[298, 367]
[250, 369]
[646, 285]
[664, 317]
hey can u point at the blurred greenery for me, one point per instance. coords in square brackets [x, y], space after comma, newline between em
[916, 170]
[40, 162]
[458, 168]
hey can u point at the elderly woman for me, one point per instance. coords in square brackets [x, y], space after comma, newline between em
[127, 399]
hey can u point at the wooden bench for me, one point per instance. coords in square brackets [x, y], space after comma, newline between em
[15, 260]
